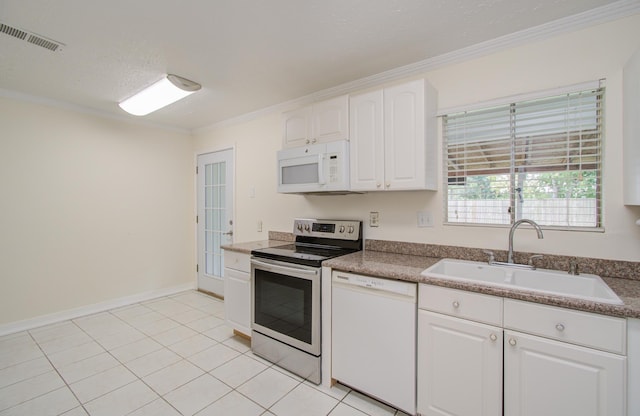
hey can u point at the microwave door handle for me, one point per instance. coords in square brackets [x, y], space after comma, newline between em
[321, 178]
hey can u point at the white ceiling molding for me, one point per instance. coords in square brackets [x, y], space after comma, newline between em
[604, 14]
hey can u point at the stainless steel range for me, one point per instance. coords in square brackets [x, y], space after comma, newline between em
[285, 293]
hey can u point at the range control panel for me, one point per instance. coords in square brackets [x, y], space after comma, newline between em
[339, 229]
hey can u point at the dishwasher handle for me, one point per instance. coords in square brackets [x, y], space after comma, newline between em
[375, 284]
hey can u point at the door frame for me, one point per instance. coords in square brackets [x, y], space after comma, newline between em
[232, 217]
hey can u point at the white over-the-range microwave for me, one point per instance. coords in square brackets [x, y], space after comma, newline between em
[317, 168]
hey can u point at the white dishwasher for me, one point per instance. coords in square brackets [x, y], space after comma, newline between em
[373, 341]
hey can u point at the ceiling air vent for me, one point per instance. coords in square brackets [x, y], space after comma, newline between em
[31, 38]
[45, 43]
[12, 31]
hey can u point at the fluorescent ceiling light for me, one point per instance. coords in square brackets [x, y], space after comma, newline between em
[164, 92]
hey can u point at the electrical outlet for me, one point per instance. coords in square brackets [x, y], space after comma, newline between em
[425, 219]
[259, 226]
[374, 219]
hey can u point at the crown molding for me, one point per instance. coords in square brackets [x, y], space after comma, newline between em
[599, 15]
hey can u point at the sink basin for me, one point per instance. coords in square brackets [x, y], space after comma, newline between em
[584, 286]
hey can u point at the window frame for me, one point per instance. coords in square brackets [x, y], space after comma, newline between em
[514, 205]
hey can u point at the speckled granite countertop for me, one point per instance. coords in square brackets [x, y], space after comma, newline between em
[408, 267]
[247, 247]
[405, 261]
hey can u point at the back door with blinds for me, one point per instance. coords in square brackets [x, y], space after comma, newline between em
[538, 159]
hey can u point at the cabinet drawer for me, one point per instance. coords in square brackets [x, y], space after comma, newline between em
[237, 261]
[606, 333]
[461, 304]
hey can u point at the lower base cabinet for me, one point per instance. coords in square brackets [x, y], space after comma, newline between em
[237, 300]
[459, 367]
[532, 360]
[237, 292]
[551, 378]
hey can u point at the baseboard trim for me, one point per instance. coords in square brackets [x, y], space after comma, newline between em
[18, 326]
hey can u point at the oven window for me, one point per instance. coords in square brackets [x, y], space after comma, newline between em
[283, 304]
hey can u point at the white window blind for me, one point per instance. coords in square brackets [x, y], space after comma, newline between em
[538, 159]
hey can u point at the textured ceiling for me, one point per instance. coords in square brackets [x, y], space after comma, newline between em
[247, 54]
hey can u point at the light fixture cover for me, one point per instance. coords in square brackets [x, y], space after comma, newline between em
[169, 89]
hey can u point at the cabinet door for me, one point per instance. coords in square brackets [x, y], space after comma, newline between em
[404, 128]
[459, 367]
[551, 378]
[237, 300]
[330, 120]
[296, 127]
[631, 130]
[367, 141]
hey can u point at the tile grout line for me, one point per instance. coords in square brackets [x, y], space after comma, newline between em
[58, 372]
[93, 339]
[299, 381]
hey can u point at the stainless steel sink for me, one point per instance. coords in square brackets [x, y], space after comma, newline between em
[584, 286]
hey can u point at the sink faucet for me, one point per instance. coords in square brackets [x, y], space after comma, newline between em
[513, 230]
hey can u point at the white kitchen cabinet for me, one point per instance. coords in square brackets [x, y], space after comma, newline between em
[459, 360]
[459, 366]
[296, 127]
[393, 138]
[551, 378]
[237, 291]
[631, 130]
[563, 362]
[545, 360]
[322, 122]
[367, 141]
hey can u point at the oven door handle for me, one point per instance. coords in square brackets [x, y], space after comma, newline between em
[276, 267]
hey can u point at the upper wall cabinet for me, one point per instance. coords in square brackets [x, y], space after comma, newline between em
[631, 130]
[393, 138]
[324, 121]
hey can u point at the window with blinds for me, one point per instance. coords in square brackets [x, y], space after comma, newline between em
[538, 159]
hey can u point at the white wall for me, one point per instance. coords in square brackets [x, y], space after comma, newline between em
[585, 55]
[91, 210]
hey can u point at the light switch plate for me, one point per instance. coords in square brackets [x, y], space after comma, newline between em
[425, 219]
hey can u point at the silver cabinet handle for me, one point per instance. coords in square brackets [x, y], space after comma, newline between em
[493, 337]
[512, 341]
[228, 233]
[560, 327]
[456, 304]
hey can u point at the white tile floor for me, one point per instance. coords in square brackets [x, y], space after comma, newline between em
[168, 356]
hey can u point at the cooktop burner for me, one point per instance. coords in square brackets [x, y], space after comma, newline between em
[316, 241]
[291, 253]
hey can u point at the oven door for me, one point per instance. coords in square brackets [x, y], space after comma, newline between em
[286, 303]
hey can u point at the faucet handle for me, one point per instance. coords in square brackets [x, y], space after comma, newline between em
[532, 258]
[492, 257]
[574, 268]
